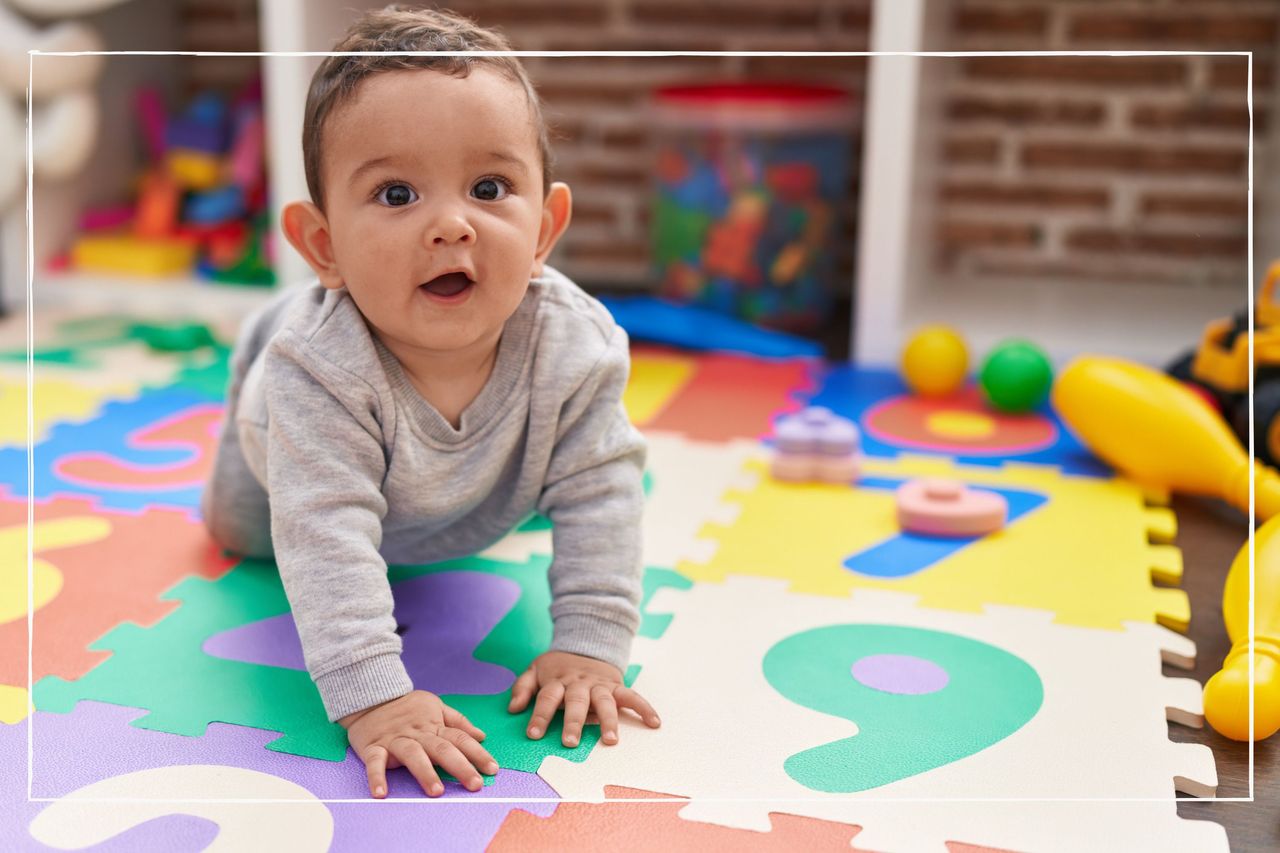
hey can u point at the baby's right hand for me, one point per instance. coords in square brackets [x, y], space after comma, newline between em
[415, 731]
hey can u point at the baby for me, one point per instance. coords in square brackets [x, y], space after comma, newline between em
[436, 385]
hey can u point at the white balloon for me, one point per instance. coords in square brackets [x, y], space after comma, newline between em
[63, 133]
[303, 825]
[51, 75]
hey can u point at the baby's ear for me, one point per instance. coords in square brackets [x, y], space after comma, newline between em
[557, 210]
[308, 231]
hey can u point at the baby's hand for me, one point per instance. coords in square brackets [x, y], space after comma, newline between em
[583, 684]
[416, 731]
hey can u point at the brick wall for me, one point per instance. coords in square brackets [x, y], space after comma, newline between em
[1073, 167]
[1116, 168]
[596, 104]
[219, 25]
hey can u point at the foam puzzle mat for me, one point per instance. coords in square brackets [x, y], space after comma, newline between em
[826, 681]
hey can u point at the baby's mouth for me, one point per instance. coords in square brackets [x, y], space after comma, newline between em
[449, 284]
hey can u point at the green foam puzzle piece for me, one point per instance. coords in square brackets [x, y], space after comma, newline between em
[519, 637]
[164, 670]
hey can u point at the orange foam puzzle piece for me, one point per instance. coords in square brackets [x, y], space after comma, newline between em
[114, 579]
[657, 826]
[733, 396]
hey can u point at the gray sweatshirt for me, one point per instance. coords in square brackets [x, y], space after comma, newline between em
[327, 438]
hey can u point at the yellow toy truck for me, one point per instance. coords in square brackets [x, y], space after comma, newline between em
[1220, 367]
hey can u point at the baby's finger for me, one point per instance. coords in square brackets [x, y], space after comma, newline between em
[448, 756]
[475, 753]
[375, 766]
[456, 719]
[628, 698]
[413, 756]
[545, 708]
[577, 701]
[522, 691]
[607, 710]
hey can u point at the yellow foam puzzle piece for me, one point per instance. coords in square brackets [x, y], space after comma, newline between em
[1085, 554]
[15, 705]
[48, 536]
[53, 401]
[655, 381]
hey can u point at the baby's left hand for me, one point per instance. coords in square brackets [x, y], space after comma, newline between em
[583, 684]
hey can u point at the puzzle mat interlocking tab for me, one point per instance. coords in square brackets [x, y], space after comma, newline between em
[1086, 553]
[727, 733]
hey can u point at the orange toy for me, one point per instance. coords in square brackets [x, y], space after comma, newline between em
[1226, 696]
[937, 507]
[1157, 432]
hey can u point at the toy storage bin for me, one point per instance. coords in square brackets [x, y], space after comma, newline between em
[750, 183]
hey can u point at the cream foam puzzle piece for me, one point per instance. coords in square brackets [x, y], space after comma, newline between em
[97, 812]
[690, 479]
[1098, 730]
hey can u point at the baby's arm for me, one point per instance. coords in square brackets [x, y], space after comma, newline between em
[594, 497]
[325, 467]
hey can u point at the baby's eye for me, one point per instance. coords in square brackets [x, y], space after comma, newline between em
[396, 195]
[489, 189]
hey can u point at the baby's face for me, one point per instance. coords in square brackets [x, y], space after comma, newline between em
[426, 173]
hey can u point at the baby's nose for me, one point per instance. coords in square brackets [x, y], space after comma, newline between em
[451, 229]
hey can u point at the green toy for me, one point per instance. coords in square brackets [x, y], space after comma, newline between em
[1016, 376]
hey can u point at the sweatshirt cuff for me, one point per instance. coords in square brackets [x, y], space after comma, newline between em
[363, 684]
[593, 637]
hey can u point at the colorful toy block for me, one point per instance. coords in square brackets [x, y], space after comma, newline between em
[125, 255]
[158, 201]
[195, 170]
[215, 206]
[815, 444]
[938, 507]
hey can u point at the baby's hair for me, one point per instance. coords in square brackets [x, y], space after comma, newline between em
[399, 27]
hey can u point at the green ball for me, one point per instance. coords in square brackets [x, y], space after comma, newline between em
[1016, 376]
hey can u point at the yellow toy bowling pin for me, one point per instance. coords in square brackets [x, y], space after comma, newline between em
[1226, 696]
[1159, 433]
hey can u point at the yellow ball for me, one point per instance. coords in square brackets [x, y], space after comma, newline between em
[934, 361]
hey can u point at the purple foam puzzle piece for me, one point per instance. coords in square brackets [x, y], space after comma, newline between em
[96, 742]
[447, 614]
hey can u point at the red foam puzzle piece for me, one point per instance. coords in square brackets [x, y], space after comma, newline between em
[734, 396]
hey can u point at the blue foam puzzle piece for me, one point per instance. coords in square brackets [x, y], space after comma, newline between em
[648, 318]
[108, 433]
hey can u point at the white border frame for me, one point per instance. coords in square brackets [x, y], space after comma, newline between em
[30, 717]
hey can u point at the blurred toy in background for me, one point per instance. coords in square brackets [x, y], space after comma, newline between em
[949, 509]
[749, 178]
[1016, 376]
[816, 445]
[935, 362]
[1218, 369]
[200, 203]
[1159, 433]
[1226, 695]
